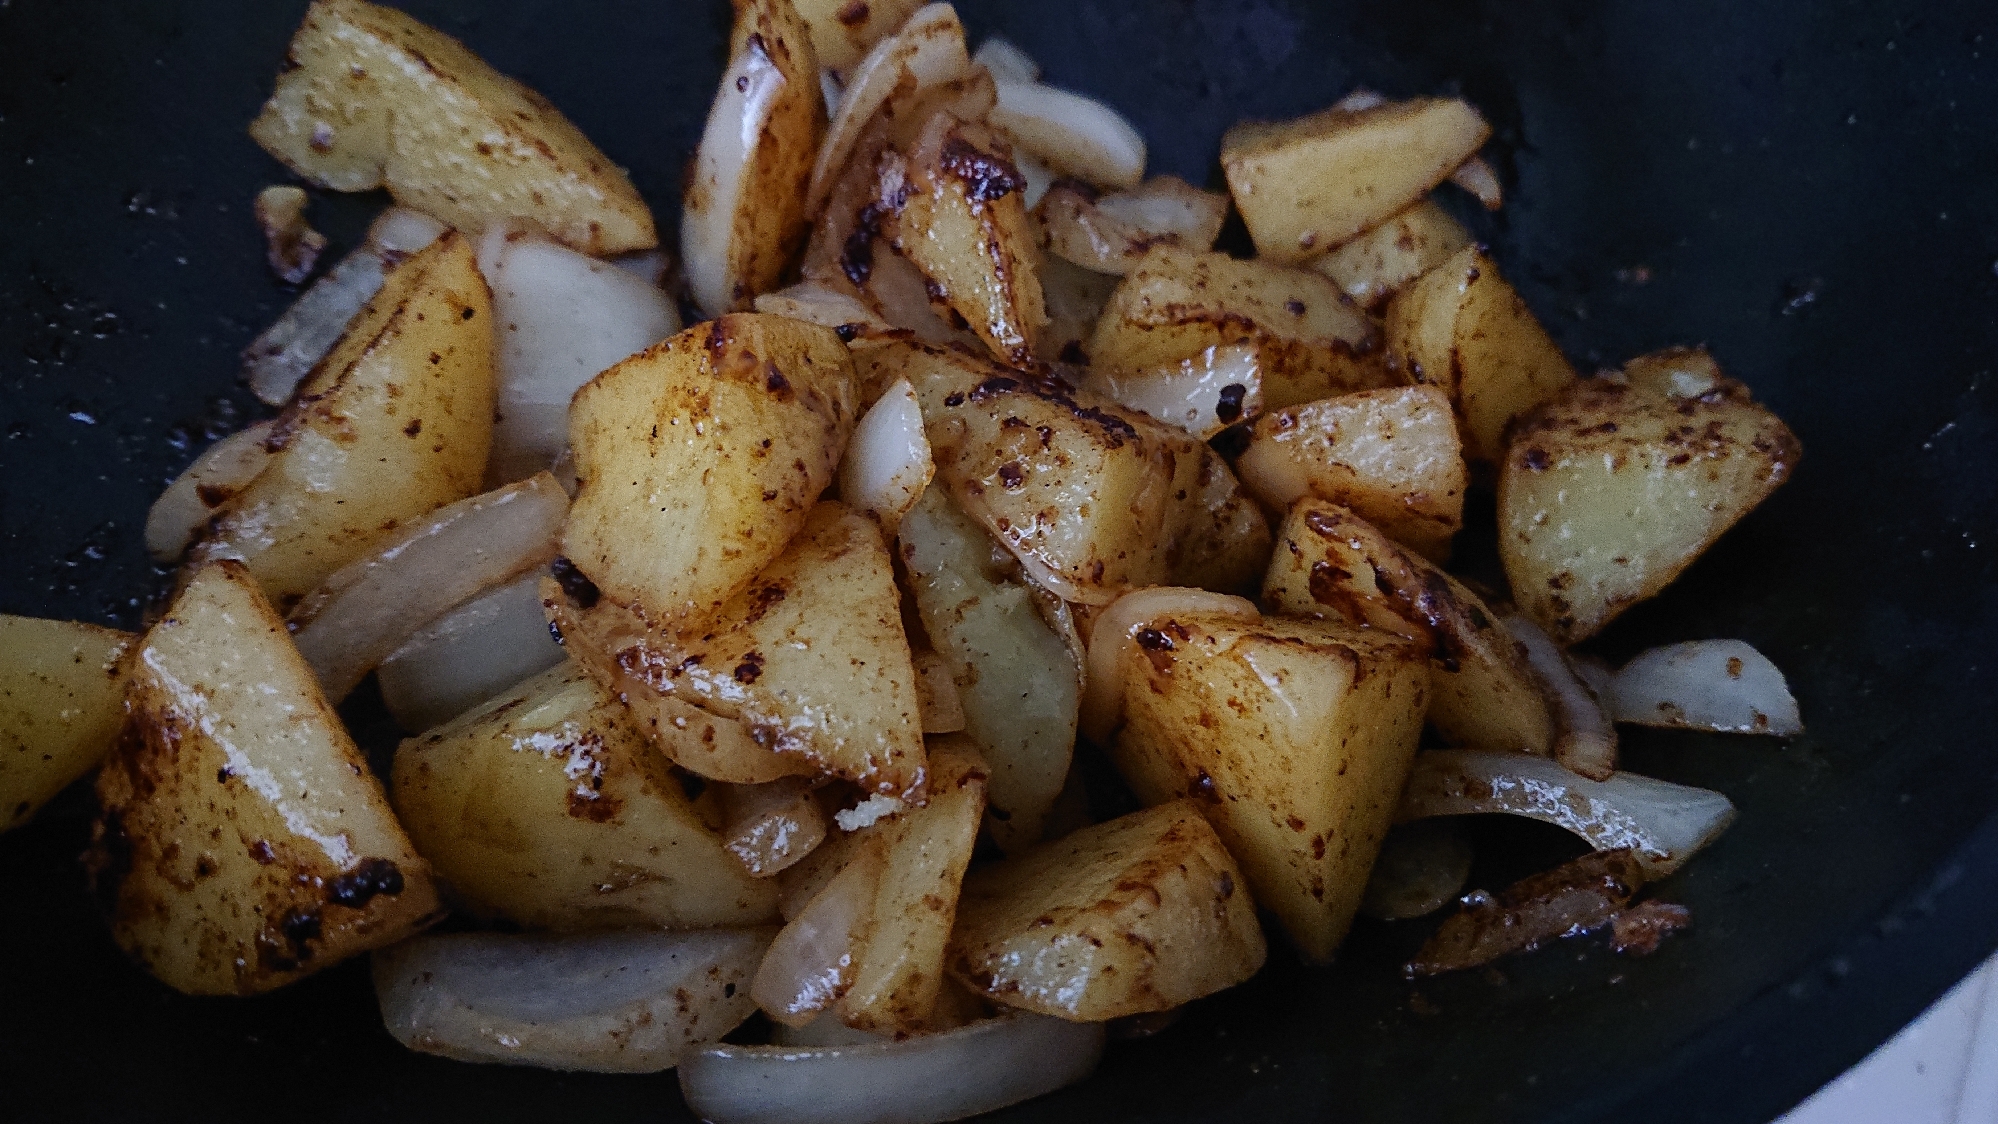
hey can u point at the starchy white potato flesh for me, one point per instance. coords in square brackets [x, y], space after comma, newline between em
[62, 699]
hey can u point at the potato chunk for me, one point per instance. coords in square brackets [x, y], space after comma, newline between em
[547, 808]
[1393, 456]
[699, 459]
[395, 422]
[1463, 329]
[372, 98]
[241, 841]
[1307, 185]
[1614, 487]
[1139, 914]
[1331, 563]
[1386, 259]
[62, 699]
[1176, 303]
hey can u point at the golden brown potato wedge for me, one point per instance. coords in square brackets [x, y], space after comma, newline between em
[1307, 185]
[1139, 914]
[699, 459]
[1292, 737]
[1386, 259]
[1177, 303]
[1462, 329]
[1110, 233]
[372, 98]
[1392, 455]
[1331, 563]
[1608, 491]
[743, 220]
[548, 808]
[395, 422]
[843, 31]
[241, 841]
[62, 700]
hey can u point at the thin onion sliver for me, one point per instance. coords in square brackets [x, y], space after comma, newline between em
[1721, 685]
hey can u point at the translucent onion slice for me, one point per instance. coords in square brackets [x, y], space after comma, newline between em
[1168, 205]
[811, 301]
[812, 961]
[928, 51]
[468, 655]
[887, 463]
[1422, 868]
[618, 1002]
[367, 609]
[226, 468]
[976, 1068]
[1114, 634]
[1720, 685]
[1203, 395]
[1481, 180]
[744, 103]
[769, 827]
[999, 55]
[1586, 739]
[1075, 135]
[1664, 823]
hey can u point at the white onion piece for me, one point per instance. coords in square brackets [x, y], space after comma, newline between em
[812, 961]
[222, 470]
[618, 1002]
[901, 298]
[811, 301]
[1114, 634]
[1203, 395]
[561, 317]
[1481, 180]
[1075, 135]
[1038, 176]
[1169, 205]
[1720, 685]
[743, 106]
[1359, 101]
[1006, 60]
[367, 609]
[399, 232]
[1595, 675]
[929, 49]
[1585, 740]
[468, 655]
[824, 1031]
[1664, 823]
[649, 266]
[769, 827]
[831, 90]
[1422, 867]
[887, 463]
[976, 1068]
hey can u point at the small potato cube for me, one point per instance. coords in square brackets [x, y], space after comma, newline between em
[62, 699]
[548, 808]
[1614, 487]
[1462, 329]
[1176, 303]
[1393, 456]
[1292, 737]
[1140, 914]
[1386, 259]
[372, 98]
[699, 459]
[1308, 185]
[1331, 563]
[241, 841]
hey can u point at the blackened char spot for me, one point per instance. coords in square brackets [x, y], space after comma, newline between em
[580, 590]
[1071, 352]
[856, 258]
[1229, 408]
[359, 886]
[985, 176]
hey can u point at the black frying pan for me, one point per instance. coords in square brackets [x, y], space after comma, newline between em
[1811, 188]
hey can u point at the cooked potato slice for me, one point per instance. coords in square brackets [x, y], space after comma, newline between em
[927, 50]
[1307, 185]
[1611, 489]
[700, 458]
[843, 31]
[1331, 563]
[548, 808]
[1140, 914]
[1393, 456]
[241, 841]
[372, 98]
[1178, 303]
[1386, 259]
[1463, 329]
[1110, 233]
[743, 220]
[965, 226]
[62, 699]
[395, 422]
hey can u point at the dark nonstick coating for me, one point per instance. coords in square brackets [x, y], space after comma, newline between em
[1807, 187]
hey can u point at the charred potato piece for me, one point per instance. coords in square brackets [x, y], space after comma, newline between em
[1614, 487]
[394, 423]
[1386, 259]
[1111, 233]
[1292, 737]
[701, 457]
[548, 808]
[1177, 303]
[1462, 329]
[241, 841]
[1393, 456]
[1331, 563]
[62, 700]
[372, 98]
[1140, 914]
[1307, 185]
